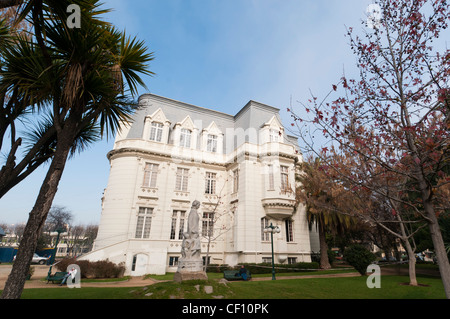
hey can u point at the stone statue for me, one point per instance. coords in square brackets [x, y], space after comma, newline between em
[193, 219]
[190, 265]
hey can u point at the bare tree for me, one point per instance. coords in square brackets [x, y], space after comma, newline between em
[212, 227]
[393, 118]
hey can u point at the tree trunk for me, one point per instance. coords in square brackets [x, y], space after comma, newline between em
[16, 279]
[411, 263]
[439, 247]
[324, 261]
[410, 252]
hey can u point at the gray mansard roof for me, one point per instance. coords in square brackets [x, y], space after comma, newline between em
[252, 115]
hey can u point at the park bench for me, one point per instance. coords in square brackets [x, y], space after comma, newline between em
[56, 277]
[234, 275]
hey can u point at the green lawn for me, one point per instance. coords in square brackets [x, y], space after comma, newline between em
[318, 288]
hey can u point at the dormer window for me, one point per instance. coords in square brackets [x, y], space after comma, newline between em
[274, 136]
[272, 131]
[156, 132]
[156, 127]
[211, 145]
[185, 134]
[185, 138]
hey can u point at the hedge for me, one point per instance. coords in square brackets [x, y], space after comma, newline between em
[266, 268]
[94, 269]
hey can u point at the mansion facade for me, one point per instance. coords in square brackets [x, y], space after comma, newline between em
[240, 168]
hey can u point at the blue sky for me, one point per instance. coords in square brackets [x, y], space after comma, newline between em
[216, 54]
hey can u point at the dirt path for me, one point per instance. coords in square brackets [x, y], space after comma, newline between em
[41, 272]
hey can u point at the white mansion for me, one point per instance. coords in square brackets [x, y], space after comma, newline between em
[240, 168]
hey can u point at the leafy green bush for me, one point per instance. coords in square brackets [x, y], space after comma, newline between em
[217, 268]
[359, 257]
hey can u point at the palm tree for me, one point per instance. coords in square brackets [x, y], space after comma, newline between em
[13, 107]
[84, 75]
[321, 194]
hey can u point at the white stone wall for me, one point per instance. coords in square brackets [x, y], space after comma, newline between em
[240, 212]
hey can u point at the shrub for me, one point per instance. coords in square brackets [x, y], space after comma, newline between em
[94, 269]
[217, 268]
[30, 272]
[266, 268]
[359, 257]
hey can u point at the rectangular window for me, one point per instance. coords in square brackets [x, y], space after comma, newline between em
[177, 226]
[210, 183]
[267, 260]
[264, 224]
[235, 180]
[274, 135]
[207, 224]
[173, 227]
[271, 181]
[150, 175]
[284, 178]
[292, 260]
[204, 260]
[289, 231]
[182, 179]
[144, 222]
[156, 132]
[181, 225]
[173, 261]
[185, 138]
[212, 143]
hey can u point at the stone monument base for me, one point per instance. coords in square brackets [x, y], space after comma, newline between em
[184, 276]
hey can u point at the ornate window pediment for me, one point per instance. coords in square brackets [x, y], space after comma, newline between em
[158, 116]
[273, 130]
[212, 138]
[156, 127]
[187, 123]
[185, 133]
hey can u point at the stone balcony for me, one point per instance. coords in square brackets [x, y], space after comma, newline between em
[279, 207]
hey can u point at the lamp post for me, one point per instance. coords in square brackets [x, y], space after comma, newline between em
[272, 229]
[58, 230]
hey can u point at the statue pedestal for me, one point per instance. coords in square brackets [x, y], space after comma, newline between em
[184, 276]
[190, 270]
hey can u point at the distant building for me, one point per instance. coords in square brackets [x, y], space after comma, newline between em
[241, 168]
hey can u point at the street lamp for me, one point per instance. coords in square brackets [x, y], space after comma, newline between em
[272, 229]
[59, 230]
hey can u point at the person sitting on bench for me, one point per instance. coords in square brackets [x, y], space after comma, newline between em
[243, 272]
[71, 273]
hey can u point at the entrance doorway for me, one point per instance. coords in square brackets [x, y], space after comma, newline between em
[139, 265]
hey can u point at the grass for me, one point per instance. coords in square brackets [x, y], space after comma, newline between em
[213, 275]
[392, 287]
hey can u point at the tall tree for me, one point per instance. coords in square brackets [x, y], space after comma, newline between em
[327, 204]
[15, 106]
[85, 75]
[394, 116]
